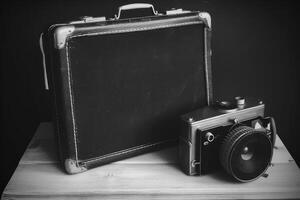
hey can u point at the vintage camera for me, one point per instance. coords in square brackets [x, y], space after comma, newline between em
[232, 134]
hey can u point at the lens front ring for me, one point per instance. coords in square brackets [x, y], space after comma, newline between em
[246, 153]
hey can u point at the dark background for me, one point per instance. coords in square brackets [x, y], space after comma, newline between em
[254, 54]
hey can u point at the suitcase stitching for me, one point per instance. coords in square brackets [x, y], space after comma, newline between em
[70, 81]
[137, 29]
[129, 150]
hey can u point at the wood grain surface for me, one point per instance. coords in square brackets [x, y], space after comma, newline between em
[150, 176]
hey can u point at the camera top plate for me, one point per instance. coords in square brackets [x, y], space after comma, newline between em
[224, 113]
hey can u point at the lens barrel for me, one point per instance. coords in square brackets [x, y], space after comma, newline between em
[246, 153]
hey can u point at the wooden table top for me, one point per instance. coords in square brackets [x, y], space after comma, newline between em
[154, 175]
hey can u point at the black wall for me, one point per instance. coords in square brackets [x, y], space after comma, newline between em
[254, 54]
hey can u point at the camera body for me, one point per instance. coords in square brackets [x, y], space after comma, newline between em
[213, 136]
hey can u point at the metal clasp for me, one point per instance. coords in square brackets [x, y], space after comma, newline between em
[176, 11]
[194, 163]
[87, 19]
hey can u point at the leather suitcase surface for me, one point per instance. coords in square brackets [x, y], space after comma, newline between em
[119, 85]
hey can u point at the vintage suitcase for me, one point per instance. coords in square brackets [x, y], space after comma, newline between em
[119, 85]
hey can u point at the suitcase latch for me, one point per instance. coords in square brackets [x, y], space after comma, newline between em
[88, 19]
[174, 11]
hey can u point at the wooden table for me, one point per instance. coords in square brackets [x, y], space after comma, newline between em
[150, 176]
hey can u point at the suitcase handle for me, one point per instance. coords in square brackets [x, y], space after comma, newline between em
[135, 6]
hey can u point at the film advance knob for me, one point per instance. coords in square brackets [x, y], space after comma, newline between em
[240, 102]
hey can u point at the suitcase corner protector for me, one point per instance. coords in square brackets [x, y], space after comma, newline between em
[73, 167]
[60, 35]
[206, 17]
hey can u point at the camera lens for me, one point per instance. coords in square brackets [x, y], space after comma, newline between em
[246, 153]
